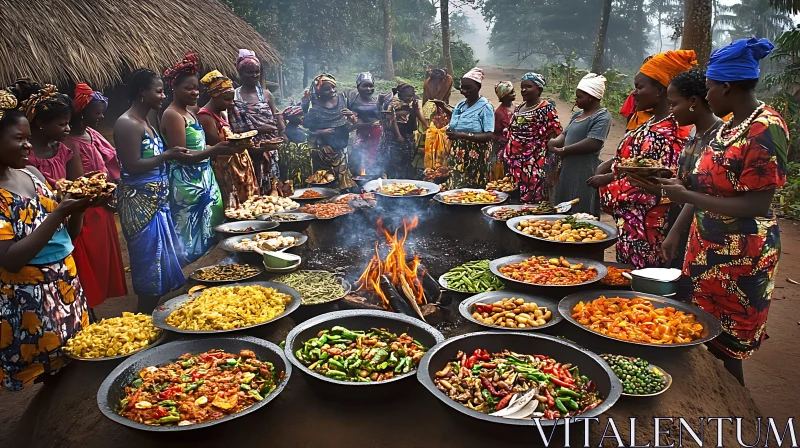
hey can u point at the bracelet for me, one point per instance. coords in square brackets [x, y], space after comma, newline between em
[471, 135]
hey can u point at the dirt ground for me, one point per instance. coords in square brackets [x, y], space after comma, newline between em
[769, 374]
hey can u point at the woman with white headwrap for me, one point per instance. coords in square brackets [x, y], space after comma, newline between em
[470, 133]
[580, 144]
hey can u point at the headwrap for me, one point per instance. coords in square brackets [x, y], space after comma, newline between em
[476, 74]
[503, 88]
[216, 83]
[47, 94]
[364, 77]
[594, 85]
[84, 95]
[188, 65]
[665, 66]
[739, 60]
[402, 86]
[316, 83]
[535, 78]
[246, 57]
[7, 102]
[294, 109]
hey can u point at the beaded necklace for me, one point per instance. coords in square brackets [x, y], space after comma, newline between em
[738, 130]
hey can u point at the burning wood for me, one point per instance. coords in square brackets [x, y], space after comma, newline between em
[398, 271]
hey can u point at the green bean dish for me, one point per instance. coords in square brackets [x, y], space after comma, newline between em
[315, 287]
[359, 356]
[473, 277]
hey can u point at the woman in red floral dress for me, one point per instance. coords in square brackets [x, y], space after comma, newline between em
[639, 209]
[734, 244]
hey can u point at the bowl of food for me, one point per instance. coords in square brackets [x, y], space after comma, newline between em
[370, 354]
[280, 262]
[146, 390]
[562, 229]
[321, 178]
[548, 270]
[401, 188]
[504, 385]
[316, 287]
[437, 175]
[506, 185]
[256, 206]
[114, 338]
[506, 212]
[264, 241]
[639, 378]
[642, 167]
[93, 185]
[327, 210]
[471, 277]
[514, 311]
[601, 312]
[225, 273]
[236, 228]
[615, 277]
[223, 309]
[290, 221]
[313, 194]
[470, 196]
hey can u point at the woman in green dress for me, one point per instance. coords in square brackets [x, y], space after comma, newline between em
[194, 196]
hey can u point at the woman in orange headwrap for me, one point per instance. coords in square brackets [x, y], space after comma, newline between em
[639, 208]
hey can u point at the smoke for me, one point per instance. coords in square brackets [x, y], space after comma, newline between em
[479, 40]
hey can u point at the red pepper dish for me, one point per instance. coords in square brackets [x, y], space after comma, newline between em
[516, 386]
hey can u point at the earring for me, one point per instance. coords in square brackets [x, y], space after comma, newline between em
[691, 109]
[141, 99]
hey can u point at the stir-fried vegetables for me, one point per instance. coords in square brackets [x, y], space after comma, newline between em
[555, 271]
[517, 386]
[358, 356]
[198, 388]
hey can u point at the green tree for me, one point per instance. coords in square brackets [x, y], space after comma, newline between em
[754, 18]
[461, 25]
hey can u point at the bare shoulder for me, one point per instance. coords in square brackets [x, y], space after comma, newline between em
[35, 171]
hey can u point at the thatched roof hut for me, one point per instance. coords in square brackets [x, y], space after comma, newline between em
[99, 41]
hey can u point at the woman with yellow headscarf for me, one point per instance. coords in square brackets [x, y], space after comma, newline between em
[235, 174]
[638, 207]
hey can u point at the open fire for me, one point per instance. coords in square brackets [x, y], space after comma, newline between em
[404, 275]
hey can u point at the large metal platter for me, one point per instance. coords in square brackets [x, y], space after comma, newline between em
[564, 351]
[465, 308]
[159, 340]
[489, 210]
[229, 243]
[112, 390]
[711, 325]
[193, 275]
[495, 266]
[325, 192]
[439, 197]
[372, 187]
[609, 230]
[443, 283]
[161, 313]
[358, 320]
[236, 228]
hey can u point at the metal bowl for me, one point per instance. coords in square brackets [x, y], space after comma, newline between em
[161, 313]
[229, 243]
[358, 320]
[439, 197]
[158, 341]
[620, 266]
[465, 308]
[443, 283]
[711, 325]
[112, 390]
[326, 193]
[611, 231]
[589, 363]
[228, 229]
[193, 275]
[489, 210]
[372, 187]
[652, 368]
[300, 224]
[495, 266]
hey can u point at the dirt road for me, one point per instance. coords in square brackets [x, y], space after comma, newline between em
[770, 373]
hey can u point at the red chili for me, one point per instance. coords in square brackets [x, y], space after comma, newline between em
[488, 385]
[489, 365]
[168, 393]
[161, 412]
[471, 361]
[550, 400]
[463, 360]
[566, 373]
[548, 369]
[548, 414]
[558, 366]
[561, 383]
[485, 355]
[503, 402]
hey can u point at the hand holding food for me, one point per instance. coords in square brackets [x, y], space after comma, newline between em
[93, 185]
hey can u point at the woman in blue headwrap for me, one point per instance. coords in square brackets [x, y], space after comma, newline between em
[734, 244]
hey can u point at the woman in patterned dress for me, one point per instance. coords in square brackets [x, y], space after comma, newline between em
[734, 245]
[365, 106]
[639, 209]
[41, 301]
[295, 155]
[195, 198]
[143, 194]
[397, 146]
[235, 174]
[470, 132]
[534, 123]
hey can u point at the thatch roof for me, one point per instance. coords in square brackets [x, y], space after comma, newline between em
[99, 41]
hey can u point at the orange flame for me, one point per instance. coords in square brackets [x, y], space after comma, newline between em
[363, 171]
[395, 266]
